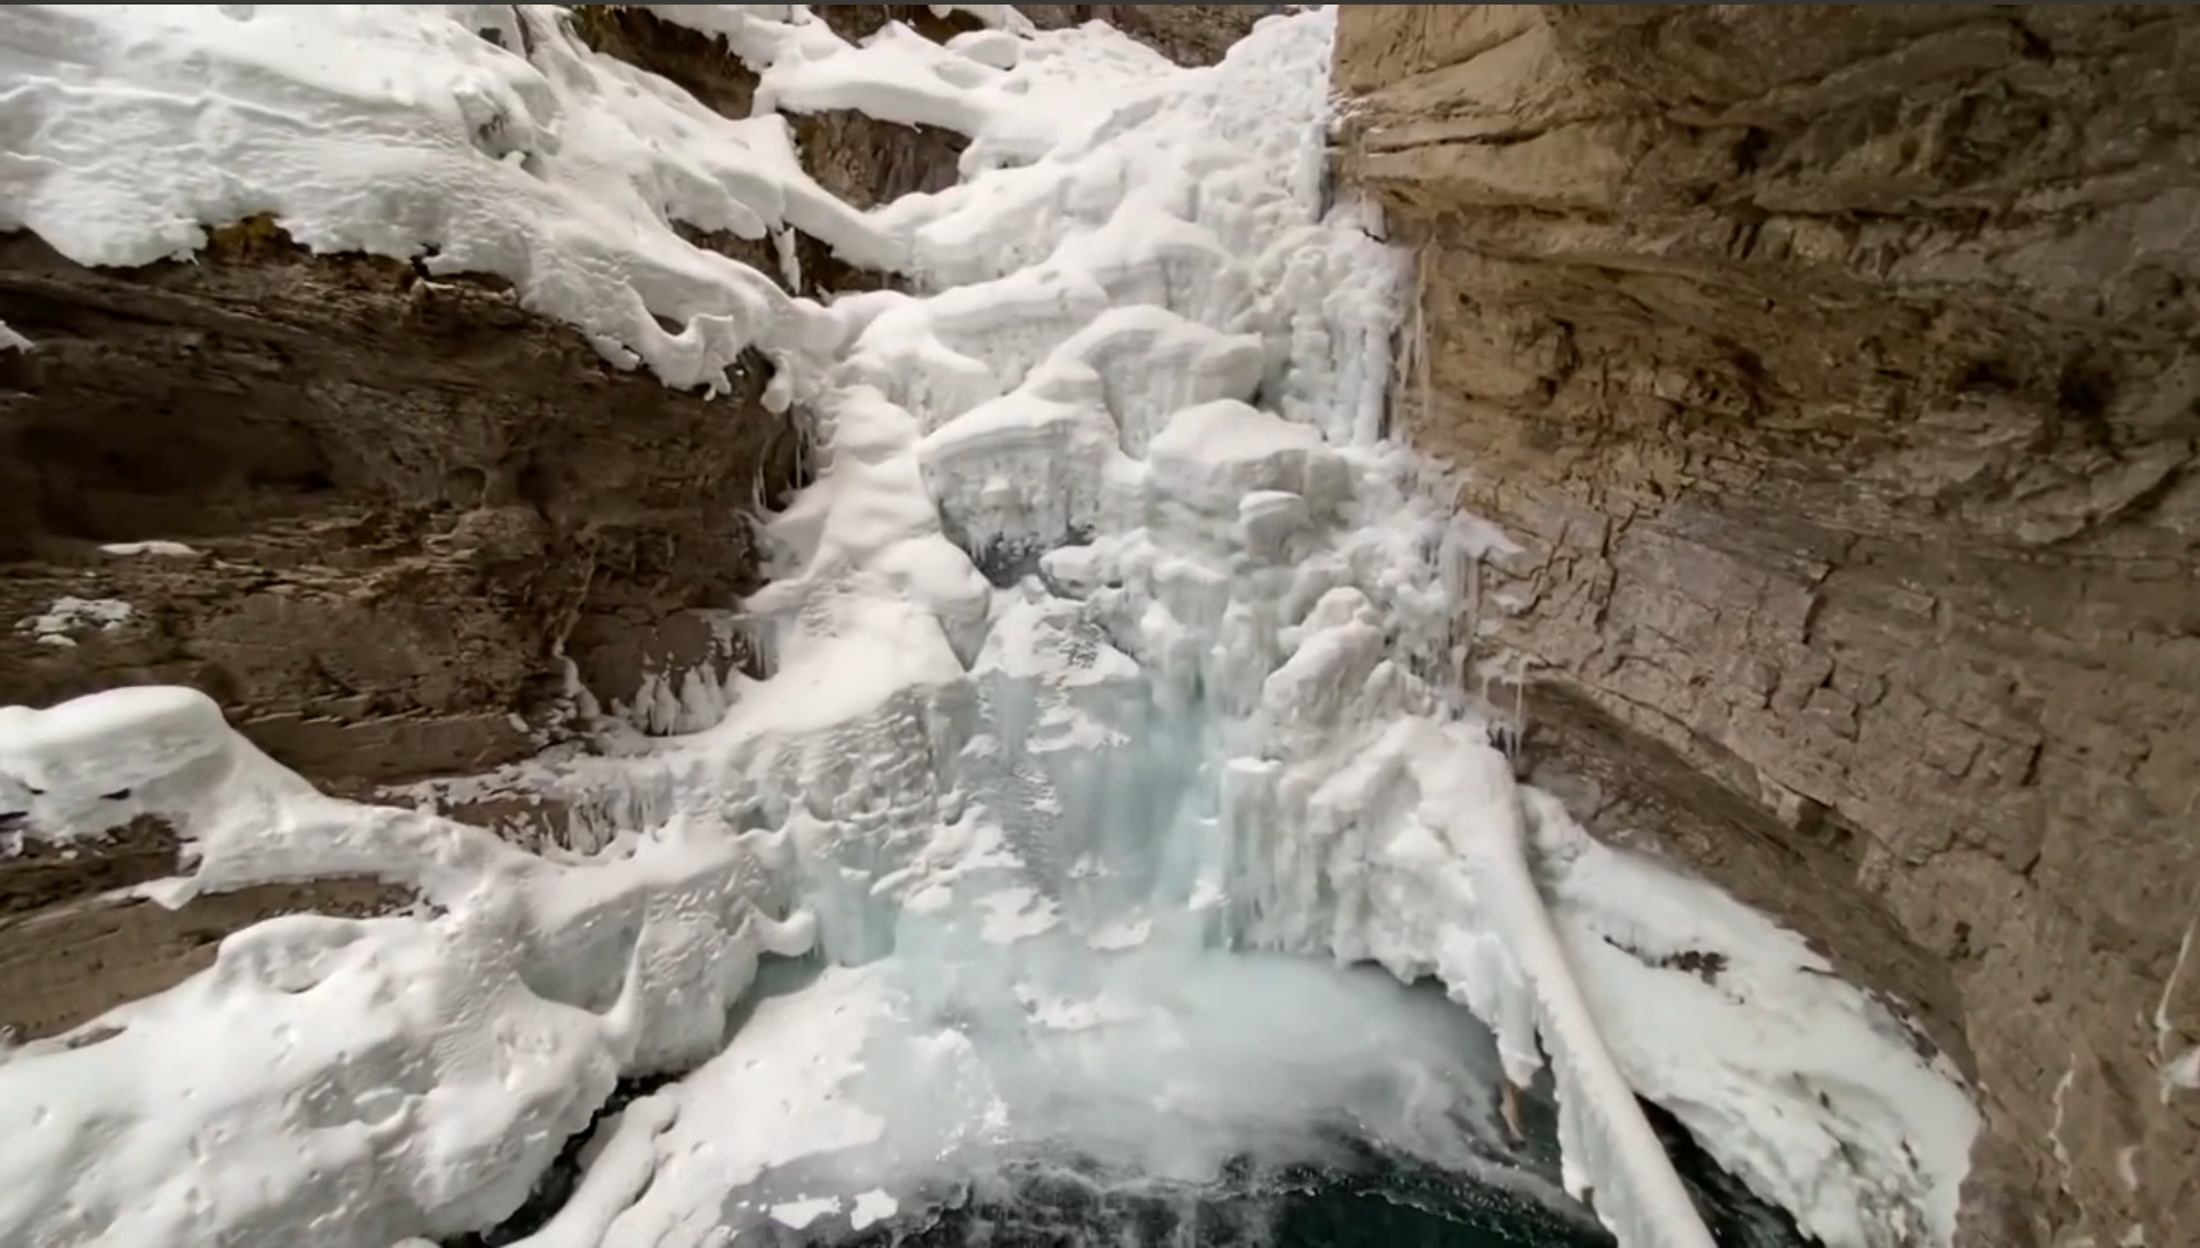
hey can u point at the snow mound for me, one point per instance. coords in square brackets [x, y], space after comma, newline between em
[484, 138]
[400, 1074]
[1114, 653]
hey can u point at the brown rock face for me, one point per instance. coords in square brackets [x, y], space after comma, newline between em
[72, 947]
[1836, 366]
[406, 494]
[400, 497]
[1189, 34]
[862, 160]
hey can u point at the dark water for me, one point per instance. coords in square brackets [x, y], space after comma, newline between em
[1362, 1197]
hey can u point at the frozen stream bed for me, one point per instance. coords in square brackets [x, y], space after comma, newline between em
[1115, 773]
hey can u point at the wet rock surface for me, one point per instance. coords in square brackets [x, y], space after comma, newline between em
[397, 496]
[1834, 365]
[383, 504]
[385, 512]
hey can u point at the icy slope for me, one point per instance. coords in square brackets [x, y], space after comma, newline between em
[1111, 639]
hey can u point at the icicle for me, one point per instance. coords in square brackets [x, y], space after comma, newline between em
[790, 262]
[1423, 371]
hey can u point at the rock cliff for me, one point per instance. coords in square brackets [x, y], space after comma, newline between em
[1835, 367]
[375, 515]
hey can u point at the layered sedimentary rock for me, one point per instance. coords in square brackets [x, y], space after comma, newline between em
[1835, 367]
[1189, 34]
[397, 499]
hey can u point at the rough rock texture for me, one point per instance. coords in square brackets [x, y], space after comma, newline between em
[72, 947]
[1835, 365]
[405, 494]
[1189, 34]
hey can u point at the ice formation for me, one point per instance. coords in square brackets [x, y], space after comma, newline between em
[1116, 697]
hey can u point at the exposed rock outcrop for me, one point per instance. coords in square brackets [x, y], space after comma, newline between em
[1835, 364]
[1189, 34]
[401, 497]
[862, 160]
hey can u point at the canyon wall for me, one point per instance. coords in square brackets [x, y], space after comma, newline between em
[1836, 368]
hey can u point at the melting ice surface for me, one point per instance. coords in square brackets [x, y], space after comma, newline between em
[1115, 709]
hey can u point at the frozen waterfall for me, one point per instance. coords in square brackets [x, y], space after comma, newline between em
[1117, 712]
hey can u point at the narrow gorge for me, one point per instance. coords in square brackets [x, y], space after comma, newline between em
[641, 626]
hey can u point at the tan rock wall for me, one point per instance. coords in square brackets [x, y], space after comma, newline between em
[1837, 367]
